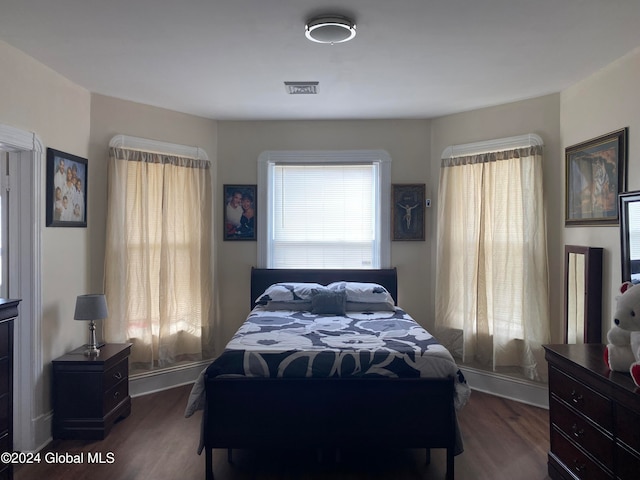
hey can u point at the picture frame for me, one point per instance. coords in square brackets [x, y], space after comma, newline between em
[240, 212]
[408, 211]
[596, 173]
[66, 184]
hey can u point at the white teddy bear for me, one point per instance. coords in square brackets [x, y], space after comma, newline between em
[623, 350]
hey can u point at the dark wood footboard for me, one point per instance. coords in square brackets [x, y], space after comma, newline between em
[329, 413]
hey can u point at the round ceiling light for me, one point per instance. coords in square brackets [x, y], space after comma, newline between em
[330, 29]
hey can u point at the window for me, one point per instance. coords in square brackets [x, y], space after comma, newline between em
[158, 251]
[324, 209]
[491, 274]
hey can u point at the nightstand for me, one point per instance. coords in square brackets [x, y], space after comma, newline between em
[90, 392]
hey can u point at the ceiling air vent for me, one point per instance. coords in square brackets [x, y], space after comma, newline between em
[301, 88]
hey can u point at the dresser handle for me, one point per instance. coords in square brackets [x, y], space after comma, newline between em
[575, 397]
[577, 432]
[117, 375]
[579, 467]
[116, 394]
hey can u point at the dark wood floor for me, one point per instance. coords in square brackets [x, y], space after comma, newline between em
[503, 440]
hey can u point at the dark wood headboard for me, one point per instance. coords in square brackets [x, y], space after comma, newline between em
[261, 278]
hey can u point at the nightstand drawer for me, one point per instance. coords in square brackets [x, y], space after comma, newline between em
[116, 374]
[575, 460]
[115, 395]
[583, 399]
[581, 432]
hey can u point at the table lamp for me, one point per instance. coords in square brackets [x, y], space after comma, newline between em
[91, 307]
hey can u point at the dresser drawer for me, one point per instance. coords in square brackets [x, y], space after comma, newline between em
[575, 460]
[5, 442]
[628, 464]
[583, 399]
[5, 339]
[5, 419]
[581, 432]
[628, 427]
[116, 374]
[5, 384]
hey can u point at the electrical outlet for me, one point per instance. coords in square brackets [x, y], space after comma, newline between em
[427, 202]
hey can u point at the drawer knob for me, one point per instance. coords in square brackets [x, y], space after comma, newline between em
[577, 432]
[578, 466]
[576, 397]
[117, 375]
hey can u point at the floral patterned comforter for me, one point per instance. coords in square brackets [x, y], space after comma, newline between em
[301, 344]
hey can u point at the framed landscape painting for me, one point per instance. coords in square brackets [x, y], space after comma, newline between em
[595, 175]
[67, 177]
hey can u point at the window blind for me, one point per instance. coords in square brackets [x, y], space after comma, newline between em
[324, 216]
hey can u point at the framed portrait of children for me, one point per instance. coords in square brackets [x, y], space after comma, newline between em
[67, 177]
[240, 212]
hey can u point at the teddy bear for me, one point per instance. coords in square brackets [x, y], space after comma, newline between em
[623, 349]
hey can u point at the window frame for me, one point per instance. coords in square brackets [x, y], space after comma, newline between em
[268, 159]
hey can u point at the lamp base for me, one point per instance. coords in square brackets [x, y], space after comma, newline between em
[92, 351]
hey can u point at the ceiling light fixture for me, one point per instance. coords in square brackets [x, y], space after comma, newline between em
[330, 29]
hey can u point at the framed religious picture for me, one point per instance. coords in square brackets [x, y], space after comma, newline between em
[67, 178]
[595, 175]
[408, 204]
[240, 211]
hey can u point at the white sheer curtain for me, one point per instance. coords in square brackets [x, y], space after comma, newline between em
[158, 256]
[492, 279]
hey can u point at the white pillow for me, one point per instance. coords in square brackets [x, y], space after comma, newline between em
[288, 292]
[363, 292]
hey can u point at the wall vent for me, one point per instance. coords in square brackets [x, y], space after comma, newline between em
[301, 88]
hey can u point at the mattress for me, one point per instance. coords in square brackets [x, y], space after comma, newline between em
[301, 344]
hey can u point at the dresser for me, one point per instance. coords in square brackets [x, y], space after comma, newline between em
[594, 416]
[90, 392]
[8, 314]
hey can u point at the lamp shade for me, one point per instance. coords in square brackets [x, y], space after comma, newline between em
[91, 307]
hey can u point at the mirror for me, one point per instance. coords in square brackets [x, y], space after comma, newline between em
[630, 236]
[583, 294]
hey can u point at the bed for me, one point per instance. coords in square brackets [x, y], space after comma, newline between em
[296, 375]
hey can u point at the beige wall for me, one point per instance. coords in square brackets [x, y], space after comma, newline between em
[111, 117]
[540, 116]
[37, 99]
[69, 118]
[240, 144]
[599, 104]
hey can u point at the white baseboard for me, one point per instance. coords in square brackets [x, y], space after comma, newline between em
[525, 391]
[156, 381]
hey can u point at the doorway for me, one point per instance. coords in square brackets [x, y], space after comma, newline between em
[22, 156]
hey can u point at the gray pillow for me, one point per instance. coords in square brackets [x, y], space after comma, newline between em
[327, 302]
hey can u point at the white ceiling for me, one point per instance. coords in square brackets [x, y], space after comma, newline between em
[229, 59]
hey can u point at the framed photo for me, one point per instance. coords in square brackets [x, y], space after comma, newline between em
[595, 175]
[67, 177]
[408, 205]
[240, 211]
